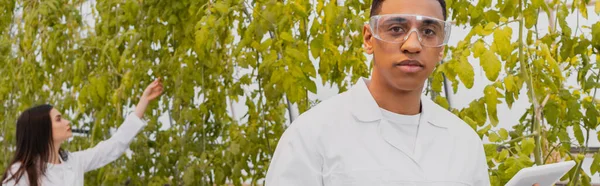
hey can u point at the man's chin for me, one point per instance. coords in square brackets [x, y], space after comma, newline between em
[409, 86]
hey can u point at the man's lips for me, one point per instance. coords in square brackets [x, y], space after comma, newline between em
[410, 62]
[410, 66]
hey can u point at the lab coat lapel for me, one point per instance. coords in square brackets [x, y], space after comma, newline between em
[366, 110]
[432, 136]
[389, 134]
[429, 137]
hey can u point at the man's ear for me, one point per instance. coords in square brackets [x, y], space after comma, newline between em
[441, 56]
[367, 39]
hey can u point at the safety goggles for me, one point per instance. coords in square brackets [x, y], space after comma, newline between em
[396, 28]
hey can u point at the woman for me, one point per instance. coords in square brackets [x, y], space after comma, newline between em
[41, 130]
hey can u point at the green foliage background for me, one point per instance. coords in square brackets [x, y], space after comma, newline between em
[211, 52]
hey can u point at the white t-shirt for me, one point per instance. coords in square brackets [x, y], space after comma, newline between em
[405, 125]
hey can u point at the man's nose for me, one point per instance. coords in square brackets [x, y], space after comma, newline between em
[412, 43]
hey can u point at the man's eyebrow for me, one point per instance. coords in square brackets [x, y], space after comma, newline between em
[397, 19]
[431, 22]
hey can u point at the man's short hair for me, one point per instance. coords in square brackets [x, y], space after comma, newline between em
[376, 7]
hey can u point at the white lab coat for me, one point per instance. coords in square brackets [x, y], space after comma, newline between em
[70, 172]
[345, 141]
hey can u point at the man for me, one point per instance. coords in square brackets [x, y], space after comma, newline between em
[382, 132]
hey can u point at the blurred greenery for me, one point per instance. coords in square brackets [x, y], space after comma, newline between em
[92, 59]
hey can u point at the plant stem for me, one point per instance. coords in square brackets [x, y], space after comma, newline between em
[575, 177]
[536, 122]
[518, 139]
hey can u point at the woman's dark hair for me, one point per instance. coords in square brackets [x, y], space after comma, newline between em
[34, 145]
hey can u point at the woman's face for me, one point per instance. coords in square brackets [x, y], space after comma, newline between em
[61, 128]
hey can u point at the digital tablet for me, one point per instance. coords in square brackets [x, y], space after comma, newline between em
[545, 175]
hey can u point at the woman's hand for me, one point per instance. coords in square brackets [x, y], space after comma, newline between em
[153, 91]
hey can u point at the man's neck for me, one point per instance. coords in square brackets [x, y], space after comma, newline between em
[397, 101]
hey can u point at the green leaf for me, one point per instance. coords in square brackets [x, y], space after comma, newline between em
[578, 133]
[299, 9]
[222, 7]
[488, 29]
[493, 137]
[531, 16]
[596, 35]
[316, 46]
[509, 8]
[551, 112]
[470, 122]
[585, 179]
[476, 13]
[503, 19]
[173, 19]
[562, 14]
[529, 38]
[330, 13]
[583, 9]
[510, 99]
[573, 112]
[491, 65]
[479, 111]
[477, 30]
[314, 28]
[442, 102]
[286, 36]
[597, 9]
[515, 165]
[311, 86]
[598, 135]
[595, 167]
[296, 54]
[309, 69]
[296, 72]
[478, 48]
[591, 115]
[484, 130]
[503, 155]
[535, 4]
[189, 175]
[503, 134]
[465, 72]
[492, 16]
[550, 61]
[527, 146]
[219, 175]
[266, 44]
[234, 148]
[509, 83]
[502, 42]
[491, 101]
[276, 76]
[491, 150]
[438, 78]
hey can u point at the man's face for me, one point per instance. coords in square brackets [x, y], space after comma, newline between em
[404, 66]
